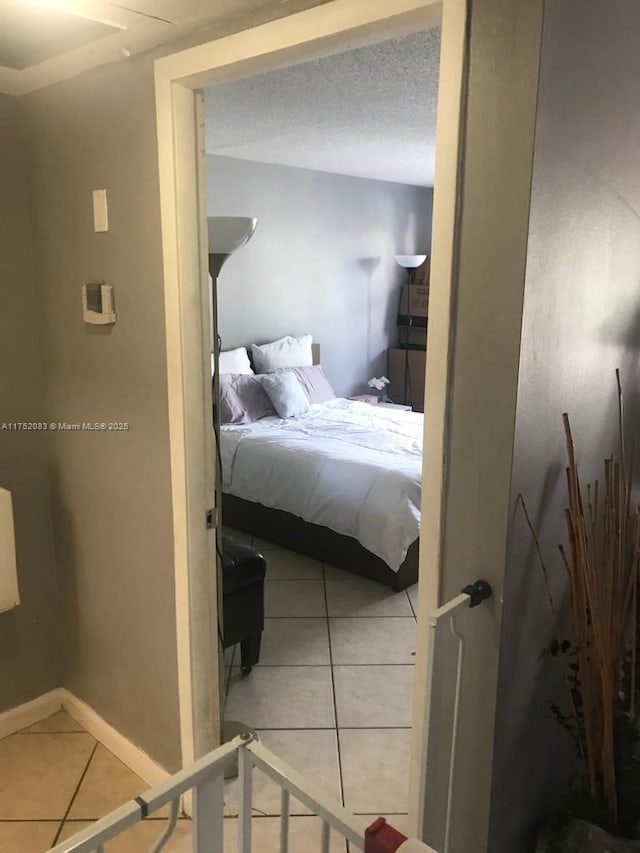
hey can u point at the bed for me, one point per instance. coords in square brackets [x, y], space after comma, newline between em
[340, 483]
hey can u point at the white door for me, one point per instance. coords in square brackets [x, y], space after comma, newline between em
[469, 481]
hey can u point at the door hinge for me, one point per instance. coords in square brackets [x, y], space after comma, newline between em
[211, 519]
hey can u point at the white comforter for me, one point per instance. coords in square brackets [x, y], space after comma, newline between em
[349, 466]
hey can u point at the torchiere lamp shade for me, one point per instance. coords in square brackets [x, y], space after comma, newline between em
[226, 234]
[410, 262]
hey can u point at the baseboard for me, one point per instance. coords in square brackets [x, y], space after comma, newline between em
[130, 754]
[16, 719]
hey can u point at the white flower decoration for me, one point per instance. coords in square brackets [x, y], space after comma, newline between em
[378, 383]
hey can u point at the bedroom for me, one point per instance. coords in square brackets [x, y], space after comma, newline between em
[309, 159]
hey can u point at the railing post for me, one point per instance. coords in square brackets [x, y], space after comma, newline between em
[285, 805]
[471, 596]
[245, 812]
[325, 837]
[208, 814]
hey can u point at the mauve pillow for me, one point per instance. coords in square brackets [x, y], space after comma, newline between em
[243, 399]
[314, 383]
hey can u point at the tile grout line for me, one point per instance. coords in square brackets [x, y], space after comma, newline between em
[413, 610]
[376, 814]
[411, 618]
[261, 815]
[333, 684]
[322, 665]
[228, 679]
[75, 794]
[272, 815]
[332, 728]
[74, 819]
[67, 732]
[29, 820]
[347, 847]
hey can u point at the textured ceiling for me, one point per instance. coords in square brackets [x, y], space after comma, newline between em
[130, 27]
[370, 112]
[28, 37]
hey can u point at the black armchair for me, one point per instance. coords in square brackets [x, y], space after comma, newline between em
[243, 573]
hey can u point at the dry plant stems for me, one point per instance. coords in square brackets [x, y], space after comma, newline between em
[602, 566]
[536, 541]
[545, 574]
[602, 560]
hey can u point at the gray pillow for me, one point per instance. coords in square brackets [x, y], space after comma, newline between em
[286, 394]
[315, 384]
[242, 399]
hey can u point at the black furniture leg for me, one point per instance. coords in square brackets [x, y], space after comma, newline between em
[249, 653]
[243, 573]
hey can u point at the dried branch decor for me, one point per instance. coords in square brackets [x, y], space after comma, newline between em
[602, 560]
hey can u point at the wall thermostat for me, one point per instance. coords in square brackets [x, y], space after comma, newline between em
[97, 304]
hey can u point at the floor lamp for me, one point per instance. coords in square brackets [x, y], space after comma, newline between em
[226, 234]
[410, 263]
[369, 266]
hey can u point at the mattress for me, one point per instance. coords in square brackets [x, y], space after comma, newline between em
[346, 465]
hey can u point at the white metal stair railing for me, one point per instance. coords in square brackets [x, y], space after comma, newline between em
[205, 778]
[471, 596]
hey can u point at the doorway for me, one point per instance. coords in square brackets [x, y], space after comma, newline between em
[304, 150]
[327, 29]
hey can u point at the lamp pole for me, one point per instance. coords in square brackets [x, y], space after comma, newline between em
[226, 234]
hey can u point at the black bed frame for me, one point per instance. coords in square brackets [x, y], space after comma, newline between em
[316, 541]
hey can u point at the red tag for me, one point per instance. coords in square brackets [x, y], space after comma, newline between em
[382, 838]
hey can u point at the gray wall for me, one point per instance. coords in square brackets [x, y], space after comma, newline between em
[111, 494]
[28, 660]
[304, 270]
[111, 491]
[580, 322]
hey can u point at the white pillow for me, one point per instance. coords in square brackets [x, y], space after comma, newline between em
[285, 352]
[234, 361]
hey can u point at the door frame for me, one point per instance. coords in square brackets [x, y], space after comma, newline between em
[330, 28]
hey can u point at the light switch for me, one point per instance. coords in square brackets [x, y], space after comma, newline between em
[100, 211]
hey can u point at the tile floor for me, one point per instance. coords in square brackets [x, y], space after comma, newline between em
[332, 696]
[333, 691]
[56, 779]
